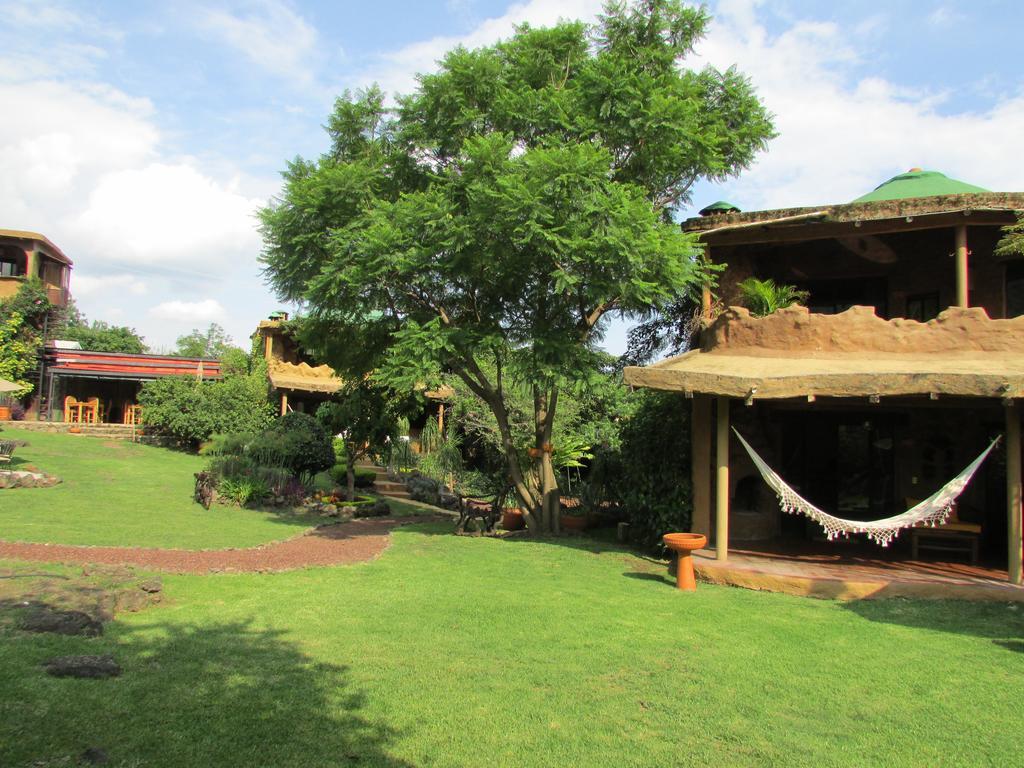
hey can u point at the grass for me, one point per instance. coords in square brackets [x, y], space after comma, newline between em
[457, 651]
[453, 651]
[117, 493]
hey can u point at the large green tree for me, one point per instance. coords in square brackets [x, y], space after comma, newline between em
[98, 336]
[213, 342]
[504, 209]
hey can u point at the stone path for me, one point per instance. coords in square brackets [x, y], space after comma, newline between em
[351, 542]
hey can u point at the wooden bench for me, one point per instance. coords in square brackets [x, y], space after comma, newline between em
[952, 536]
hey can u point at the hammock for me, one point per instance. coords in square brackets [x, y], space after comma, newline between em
[932, 511]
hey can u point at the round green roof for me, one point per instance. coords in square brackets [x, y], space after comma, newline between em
[720, 207]
[918, 183]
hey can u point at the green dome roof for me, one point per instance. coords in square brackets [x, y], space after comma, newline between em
[720, 207]
[918, 183]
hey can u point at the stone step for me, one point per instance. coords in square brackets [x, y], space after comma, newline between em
[394, 494]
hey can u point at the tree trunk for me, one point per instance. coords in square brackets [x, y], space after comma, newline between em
[350, 474]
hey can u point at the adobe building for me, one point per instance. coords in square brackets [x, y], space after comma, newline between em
[24, 255]
[907, 360]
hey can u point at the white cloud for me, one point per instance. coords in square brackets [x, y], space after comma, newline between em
[91, 286]
[39, 14]
[197, 312]
[270, 34]
[839, 136]
[169, 213]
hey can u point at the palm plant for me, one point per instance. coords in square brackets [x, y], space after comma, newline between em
[763, 297]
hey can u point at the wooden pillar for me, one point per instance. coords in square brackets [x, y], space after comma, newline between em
[961, 266]
[440, 418]
[705, 292]
[284, 403]
[722, 482]
[30, 263]
[1013, 492]
[700, 464]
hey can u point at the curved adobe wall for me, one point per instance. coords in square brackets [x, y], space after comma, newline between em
[797, 332]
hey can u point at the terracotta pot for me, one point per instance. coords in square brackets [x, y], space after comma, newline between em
[574, 522]
[512, 519]
[75, 430]
[683, 544]
[5, 412]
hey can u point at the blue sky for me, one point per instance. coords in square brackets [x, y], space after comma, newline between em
[140, 137]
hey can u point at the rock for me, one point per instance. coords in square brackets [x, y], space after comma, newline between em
[151, 585]
[133, 600]
[94, 756]
[43, 618]
[91, 667]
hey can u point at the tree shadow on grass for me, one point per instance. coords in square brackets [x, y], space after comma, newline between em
[1003, 623]
[219, 694]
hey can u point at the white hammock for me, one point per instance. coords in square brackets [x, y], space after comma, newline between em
[932, 511]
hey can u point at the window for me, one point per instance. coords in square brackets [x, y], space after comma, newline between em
[923, 306]
[1015, 288]
[12, 262]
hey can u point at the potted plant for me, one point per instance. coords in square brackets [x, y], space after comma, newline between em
[573, 517]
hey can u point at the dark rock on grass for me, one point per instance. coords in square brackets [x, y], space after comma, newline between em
[133, 600]
[88, 667]
[151, 585]
[94, 756]
[380, 509]
[43, 618]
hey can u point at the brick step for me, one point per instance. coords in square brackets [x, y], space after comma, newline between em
[394, 494]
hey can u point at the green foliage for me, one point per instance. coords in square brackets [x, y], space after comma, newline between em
[298, 442]
[243, 490]
[98, 336]
[364, 477]
[17, 356]
[763, 297]
[364, 416]
[652, 469]
[213, 342]
[192, 410]
[507, 207]
[1011, 245]
[22, 319]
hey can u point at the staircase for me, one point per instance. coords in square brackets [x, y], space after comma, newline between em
[383, 486]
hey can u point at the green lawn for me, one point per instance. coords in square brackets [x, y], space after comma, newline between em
[452, 651]
[123, 494]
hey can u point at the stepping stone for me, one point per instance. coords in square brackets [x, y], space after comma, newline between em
[43, 618]
[91, 667]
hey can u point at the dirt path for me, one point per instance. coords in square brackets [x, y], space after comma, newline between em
[351, 542]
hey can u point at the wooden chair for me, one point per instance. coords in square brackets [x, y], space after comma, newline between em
[132, 414]
[72, 410]
[6, 450]
[953, 536]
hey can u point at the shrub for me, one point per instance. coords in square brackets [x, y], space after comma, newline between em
[364, 477]
[654, 467]
[243, 490]
[297, 442]
[192, 410]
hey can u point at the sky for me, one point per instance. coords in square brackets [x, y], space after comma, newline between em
[142, 137]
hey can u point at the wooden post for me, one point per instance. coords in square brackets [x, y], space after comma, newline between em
[700, 464]
[961, 266]
[440, 418]
[284, 403]
[31, 259]
[722, 483]
[1013, 492]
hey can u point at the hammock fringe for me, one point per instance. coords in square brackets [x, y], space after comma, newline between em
[932, 511]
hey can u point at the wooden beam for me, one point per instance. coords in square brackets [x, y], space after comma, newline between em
[961, 266]
[722, 482]
[838, 229]
[284, 403]
[700, 464]
[1013, 493]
